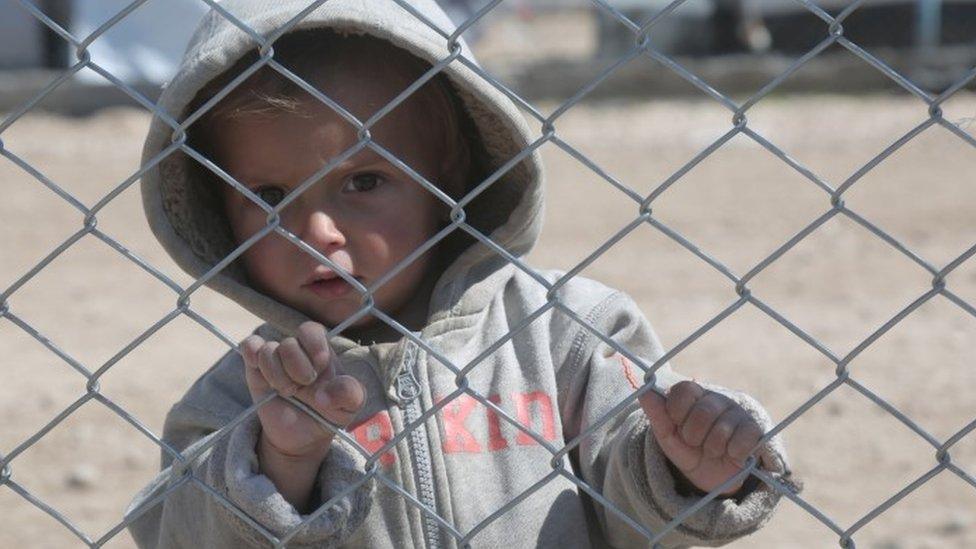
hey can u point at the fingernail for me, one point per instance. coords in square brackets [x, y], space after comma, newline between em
[322, 398]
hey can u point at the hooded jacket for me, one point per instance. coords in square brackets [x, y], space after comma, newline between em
[522, 426]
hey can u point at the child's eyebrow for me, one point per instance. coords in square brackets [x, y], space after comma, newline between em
[251, 179]
[364, 159]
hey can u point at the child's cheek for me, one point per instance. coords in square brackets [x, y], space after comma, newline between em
[245, 221]
[265, 259]
[379, 245]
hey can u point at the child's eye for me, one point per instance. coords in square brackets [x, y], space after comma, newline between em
[271, 195]
[363, 182]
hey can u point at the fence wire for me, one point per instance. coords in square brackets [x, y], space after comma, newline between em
[833, 34]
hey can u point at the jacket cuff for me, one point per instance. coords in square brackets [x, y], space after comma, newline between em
[234, 472]
[721, 520]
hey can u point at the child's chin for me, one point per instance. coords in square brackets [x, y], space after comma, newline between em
[332, 319]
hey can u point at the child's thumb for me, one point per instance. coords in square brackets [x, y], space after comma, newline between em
[338, 399]
[655, 407]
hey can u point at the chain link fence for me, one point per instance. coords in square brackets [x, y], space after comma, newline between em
[643, 214]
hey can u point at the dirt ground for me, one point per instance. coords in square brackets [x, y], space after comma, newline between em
[839, 285]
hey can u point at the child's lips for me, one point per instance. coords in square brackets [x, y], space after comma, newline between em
[329, 287]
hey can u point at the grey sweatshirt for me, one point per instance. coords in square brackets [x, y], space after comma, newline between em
[515, 446]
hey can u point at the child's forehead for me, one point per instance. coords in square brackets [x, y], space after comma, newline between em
[401, 130]
[365, 90]
[253, 147]
[316, 121]
[366, 81]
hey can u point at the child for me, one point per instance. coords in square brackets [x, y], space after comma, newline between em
[497, 345]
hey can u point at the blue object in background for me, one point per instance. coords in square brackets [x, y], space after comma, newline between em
[145, 46]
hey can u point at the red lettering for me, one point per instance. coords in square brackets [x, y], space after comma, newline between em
[457, 438]
[522, 402]
[495, 440]
[627, 372]
[373, 433]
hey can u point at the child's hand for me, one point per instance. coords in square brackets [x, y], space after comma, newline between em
[303, 368]
[706, 435]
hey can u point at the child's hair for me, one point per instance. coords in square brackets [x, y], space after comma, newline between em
[313, 55]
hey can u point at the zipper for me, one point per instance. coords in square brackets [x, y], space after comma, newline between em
[408, 388]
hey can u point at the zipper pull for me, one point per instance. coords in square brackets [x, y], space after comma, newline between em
[408, 387]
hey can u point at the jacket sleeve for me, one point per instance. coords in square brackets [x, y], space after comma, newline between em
[621, 459]
[174, 511]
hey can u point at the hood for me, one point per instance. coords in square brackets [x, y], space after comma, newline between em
[195, 236]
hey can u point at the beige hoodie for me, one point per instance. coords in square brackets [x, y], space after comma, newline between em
[496, 424]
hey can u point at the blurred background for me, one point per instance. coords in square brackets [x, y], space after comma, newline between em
[856, 112]
[732, 44]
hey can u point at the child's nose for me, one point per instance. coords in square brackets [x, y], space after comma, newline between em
[322, 233]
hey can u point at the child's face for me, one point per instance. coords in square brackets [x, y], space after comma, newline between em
[365, 215]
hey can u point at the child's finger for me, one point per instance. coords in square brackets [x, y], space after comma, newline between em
[272, 370]
[745, 438]
[296, 364]
[339, 399]
[314, 341]
[718, 437]
[666, 432]
[680, 399]
[702, 416]
[256, 384]
[249, 350]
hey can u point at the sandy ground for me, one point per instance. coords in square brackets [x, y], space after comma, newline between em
[839, 285]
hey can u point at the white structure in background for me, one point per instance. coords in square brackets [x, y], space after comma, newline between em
[144, 47]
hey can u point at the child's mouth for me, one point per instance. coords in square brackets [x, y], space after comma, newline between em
[329, 288]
